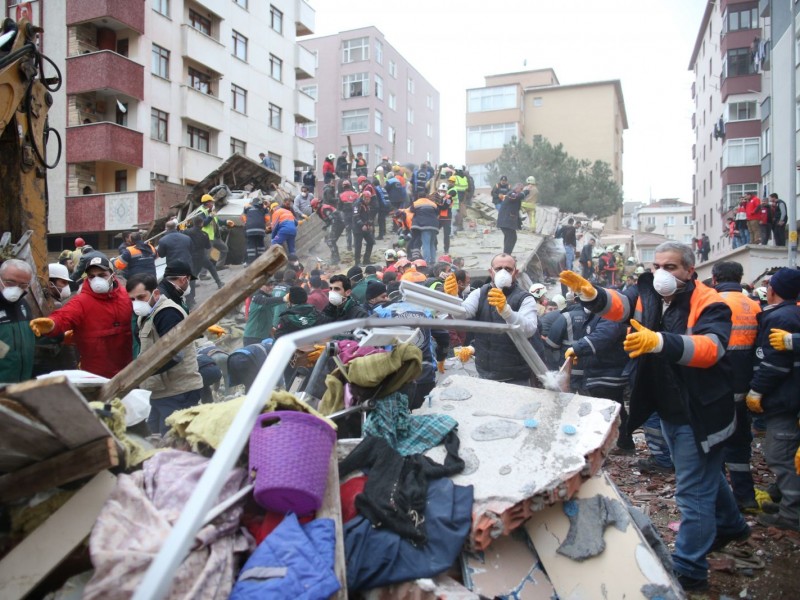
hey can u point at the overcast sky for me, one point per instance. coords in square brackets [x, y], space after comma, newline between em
[646, 44]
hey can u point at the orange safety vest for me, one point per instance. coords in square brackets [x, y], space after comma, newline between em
[120, 264]
[744, 327]
[281, 214]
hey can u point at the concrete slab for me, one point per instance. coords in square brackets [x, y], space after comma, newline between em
[524, 447]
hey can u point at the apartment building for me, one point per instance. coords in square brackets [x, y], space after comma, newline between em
[158, 93]
[367, 90]
[668, 217]
[589, 119]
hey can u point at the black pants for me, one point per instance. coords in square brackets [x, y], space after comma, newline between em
[205, 263]
[223, 251]
[334, 233]
[446, 228]
[347, 217]
[509, 239]
[779, 233]
[766, 231]
[383, 212]
[366, 237]
[255, 247]
[617, 395]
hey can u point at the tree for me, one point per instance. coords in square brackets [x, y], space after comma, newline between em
[564, 181]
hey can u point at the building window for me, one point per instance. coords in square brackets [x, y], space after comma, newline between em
[355, 50]
[410, 115]
[741, 152]
[239, 98]
[276, 19]
[379, 87]
[275, 67]
[379, 52]
[238, 146]
[363, 148]
[242, 3]
[393, 69]
[158, 125]
[429, 101]
[735, 191]
[275, 114]
[392, 101]
[354, 121]
[493, 98]
[429, 129]
[670, 221]
[410, 85]
[199, 22]
[276, 160]
[198, 138]
[160, 64]
[378, 122]
[738, 62]
[122, 113]
[310, 90]
[161, 6]
[355, 85]
[378, 152]
[687, 220]
[392, 133]
[740, 19]
[121, 181]
[199, 81]
[766, 142]
[484, 137]
[306, 131]
[538, 101]
[410, 146]
[648, 254]
[742, 111]
[480, 173]
[239, 45]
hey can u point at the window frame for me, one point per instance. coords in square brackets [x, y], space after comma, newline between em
[306, 89]
[274, 12]
[159, 118]
[237, 145]
[275, 113]
[195, 19]
[743, 145]
[734, 191]
[393, 68]
[392, 101]
[241, 4]
[354, 115]
[161, 7]
[238, 95]
[410, 85]
[378, 122]
[492, 98]
[410, 115]
[504, 130]
[275, 63]
[355, 81]
[199, 136]
[378, 51]
[197, 79]
[349, 48]
[162, 55]
[747, 105]
[378, 87]
[237, 40]
[741, 60]
[121, 180]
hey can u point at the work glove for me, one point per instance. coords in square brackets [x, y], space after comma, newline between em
[182, 227]
[570, 353]
[497, 298]
[465, 353]
[797, 461]
[216, 330]
[230, 223]
[42, 325]
[451, 285]
[642, 341]
[314, 355]
[440, 366]
[578, 284]
[753, 401]
[780, 340]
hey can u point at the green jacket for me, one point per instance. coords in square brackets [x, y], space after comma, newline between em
[17, 341]
[359, 293]
[260, 318]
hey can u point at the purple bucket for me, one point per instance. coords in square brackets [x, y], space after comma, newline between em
[289, 457]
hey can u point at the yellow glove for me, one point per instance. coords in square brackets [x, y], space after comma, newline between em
[753, 401]
[216, 330]
[182, 226]
[42, 325]
[570, 353]
[780, 340]
[642, 341]
[451, 285]
[230, 223]
[465, 353]
[578, 284]
[440, 366]
[314, 355]
[496, 298]
[797, 461]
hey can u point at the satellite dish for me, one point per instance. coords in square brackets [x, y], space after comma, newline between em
[122, 108]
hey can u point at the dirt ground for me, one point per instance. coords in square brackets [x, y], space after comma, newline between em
[765, 567]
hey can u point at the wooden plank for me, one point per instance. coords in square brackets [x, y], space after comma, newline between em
[60, 406]
[66, 467]
[332, 509]
[44, 549]
[208, 313]
[23, 436]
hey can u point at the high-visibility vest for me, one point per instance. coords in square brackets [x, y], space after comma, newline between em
[744, 326]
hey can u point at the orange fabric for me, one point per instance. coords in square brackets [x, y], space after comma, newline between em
[281, 214]
[744, 322]
[616, 309]
[706, 352]
[134, 251]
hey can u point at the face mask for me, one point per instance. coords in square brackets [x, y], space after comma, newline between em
[141, 308]
[12, 294]
[100, 285]
[335, 298]
[665, 283]
[66, 292]
[503, 279]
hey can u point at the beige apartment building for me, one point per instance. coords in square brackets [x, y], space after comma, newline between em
[589, 119]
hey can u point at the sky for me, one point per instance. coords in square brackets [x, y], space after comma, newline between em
[646, 44]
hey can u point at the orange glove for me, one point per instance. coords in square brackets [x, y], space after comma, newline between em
[642, 341]
[314, 355]
[496, 298]
[69, 337]
[797, 461]
[570, 353]
[42, 325]
[780, 340]
[440, 366]
[231, 223]
[216, 330]
[451, 285]
[578, 284]
[753, 401]
[465, 353]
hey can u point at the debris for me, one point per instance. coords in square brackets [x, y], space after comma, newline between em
[588, 519]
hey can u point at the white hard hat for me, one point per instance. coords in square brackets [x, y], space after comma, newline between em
[537, 290]
[560, 301]
[58, 271]
[331, 156]
[761, 292]
[639, 271]
[443, 187]
[390, 255]
[531, 180]
[401, 254]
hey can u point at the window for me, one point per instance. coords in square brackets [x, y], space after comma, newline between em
[363, 148]
[379, 87]
[275, 114]
[766, 142]
[158, 125]
[648, 254]
[484, 137]
[393, 69]
[410, 85]
[429, 129]
[480, 173]
[378, 122]
[122, 114]
[239, 45]
[161, 6]
[741, 152]
[378, 152]
[410, 115]
[392, 101]
[738, 62]
[238, 146]
[539, 101]
[392, 134]
[123, 47]
[670, 220]
[276, 19]
[198, 138]
[160, 64]
[199, 81]
[687, 220]
[276, 160]
[741, 19]
[121, 181]
[651, 221]
[379, 52]
[355, 50]
[409, 145]
[310, 90]
[735, 191]
[429, 101]
[275, 67]
[355, 120]
[305, 130]
[493, 98]
[742, 111]
[355, 85]
[199, 22]
[239, 98]
[242, 3]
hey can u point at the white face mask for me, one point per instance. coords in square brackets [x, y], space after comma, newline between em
[13, 293]
[142, 308]
[335, 298]
[665, 283]
[100, 285]
[503, 279]
[66, 292]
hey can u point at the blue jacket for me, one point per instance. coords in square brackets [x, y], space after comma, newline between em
[601, 354]
[175, 246]
[777, 374]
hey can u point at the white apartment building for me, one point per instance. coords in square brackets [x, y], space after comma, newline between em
[668, 217]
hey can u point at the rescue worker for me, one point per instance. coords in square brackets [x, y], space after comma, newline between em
[139, 257]
[175, 246]
[680, 330]
[58, 284]
[444, 201]
[328, 170]
[334, 223]
[586, 259]
[361, 165]
[420, 178]
[299, 315]
[283, 226]
[17, 341]
[200, 249]
[214, 229]
[346, 200]
[374, 296]
[343, 166]
[564, 334]
[364, 213]
[529, 204]
[508, 220]
[499, 191]
[255, 229]
[425, 226]
[260, 311]
[341, 306]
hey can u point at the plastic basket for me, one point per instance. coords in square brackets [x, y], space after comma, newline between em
[289, 457]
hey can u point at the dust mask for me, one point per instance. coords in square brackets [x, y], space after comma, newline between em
[13, 293]
[142, 308]
[503, 279]
[100, 285]
[335, 298]
[665, 283]
[65, 293]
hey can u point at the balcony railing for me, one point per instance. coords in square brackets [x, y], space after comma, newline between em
[105, 70]
[305, 63]
[305, 18]
[304, 107]
[104, 142]
[204, 49]
[127, 13]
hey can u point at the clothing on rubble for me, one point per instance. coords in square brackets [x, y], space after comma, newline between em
[112, 415]
[294, 562]
[392, 421]
[397, 486]
[140, 513]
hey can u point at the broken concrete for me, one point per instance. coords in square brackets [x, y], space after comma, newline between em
[588, 519]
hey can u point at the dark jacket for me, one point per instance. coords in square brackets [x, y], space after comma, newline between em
[499, 189]
[396, 191]
[255, 221]
[777, 374]
[586, 254]
[168, 289]
[200, 245]
[741, 346]
[175, 246]
[349, 309]
[496, 356]
[508, 211]
[425, 214]
[297, 318]
[342, 167]
[601, 355]
[364, 213]
[568, 235]
[310, 180]
[565, 332]
[420, 179]
[16, 362]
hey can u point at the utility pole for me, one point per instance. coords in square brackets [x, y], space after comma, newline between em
[791, 205]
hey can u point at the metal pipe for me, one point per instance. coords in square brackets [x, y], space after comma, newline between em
[435, 304]
[421, 290]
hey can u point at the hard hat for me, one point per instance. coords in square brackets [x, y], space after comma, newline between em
[346, 183]
[445, 258]
[390, 255]
[420, 262]
[560, 301]
[361, 179]
[79, 243]
[443, 187]
[314, 203]
[401, 254]
[402, 262]
[452, 178]
[379, 169]
[413, 276]
[761, 292]
[503, 178]
[537, 290]
[531, 180]
[396, 168]
[366, 194]
[639, 270]
[331, 156]
[58, 271]
[273, 206]
[570, 296]
[206, 198]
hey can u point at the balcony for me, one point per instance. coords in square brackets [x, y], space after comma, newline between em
[115, 14]
[105, 70]
[203, 49]
[303, 107]
[104, 142]
[202, 108]
[304, 19]
[743, 84]
[108, 212]
[196, 165]
[303, 152]
[305, 63]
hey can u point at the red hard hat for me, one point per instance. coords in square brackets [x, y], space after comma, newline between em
[366, 194]
[314, 202]
[361, 179]
[79, 242]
